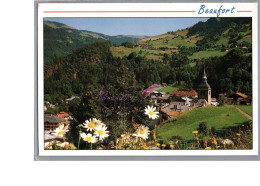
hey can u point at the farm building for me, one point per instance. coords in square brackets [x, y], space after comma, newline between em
[52, 122]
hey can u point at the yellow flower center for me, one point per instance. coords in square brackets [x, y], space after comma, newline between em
[91, 125]
[60, 133]
[151, 112]
[100, 132]
[88, 138]
[142, 131]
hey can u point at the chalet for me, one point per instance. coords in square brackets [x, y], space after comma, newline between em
[63, 115]
[52, 122]
[241, 99]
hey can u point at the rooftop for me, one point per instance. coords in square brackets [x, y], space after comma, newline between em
[241, 94]
[52, 119]
[184, 93]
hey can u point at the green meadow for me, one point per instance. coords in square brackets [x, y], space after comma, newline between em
[206, 54]
[167, 89]
[246, 108]
[219, 117]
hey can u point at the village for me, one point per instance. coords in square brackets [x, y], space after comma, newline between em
[168, 105]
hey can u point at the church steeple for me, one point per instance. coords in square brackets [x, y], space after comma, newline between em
[204, 89]
[204, 74]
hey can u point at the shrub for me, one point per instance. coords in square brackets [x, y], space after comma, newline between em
[203, 128]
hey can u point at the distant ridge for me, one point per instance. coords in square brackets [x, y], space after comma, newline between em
[61, 39]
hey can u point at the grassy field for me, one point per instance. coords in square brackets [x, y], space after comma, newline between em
[248, 39]
[219, 117]
[246, 108]
[206, 54]
[222, 41]
[167, 89]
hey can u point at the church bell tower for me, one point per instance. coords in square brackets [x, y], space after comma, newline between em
[204, 89]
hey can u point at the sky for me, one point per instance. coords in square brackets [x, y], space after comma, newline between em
[129, 26]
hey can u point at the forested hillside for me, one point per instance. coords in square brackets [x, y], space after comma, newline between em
[95, 66]
[61, 39]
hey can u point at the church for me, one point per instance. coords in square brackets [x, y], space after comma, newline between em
[204, 89]
[182, 101]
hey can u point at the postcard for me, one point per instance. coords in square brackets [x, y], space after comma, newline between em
[147, 79]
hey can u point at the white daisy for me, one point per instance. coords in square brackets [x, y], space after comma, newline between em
[101, 132]
[150, 111]
[60, 131]
[91, 124]
[88, 137]
[62, 144]
[142, 132]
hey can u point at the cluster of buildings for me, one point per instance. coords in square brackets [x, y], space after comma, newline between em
[174, 103]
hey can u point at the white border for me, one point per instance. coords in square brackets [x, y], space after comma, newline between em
[144, 7]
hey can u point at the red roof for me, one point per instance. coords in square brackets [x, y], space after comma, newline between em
[184, 93]
[62, 115]
[173, 113]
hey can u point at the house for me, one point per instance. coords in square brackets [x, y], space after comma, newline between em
[160, 98]
[241, 99]
[63, 115]
[214, 102]
[52, 122]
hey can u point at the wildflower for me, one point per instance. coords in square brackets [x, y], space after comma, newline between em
[171, 146]
[214, 142]
[88, 137]
[48, 145]
[158, 144]
[92, 124]
[238, 134]
[142, 132]
[208, 148]
[154, 135]
[150, 111]
[101, 132]
[195, 132]
[70, 146]
[163, 145]
[228, 142]
[60, 131]
[62, 145]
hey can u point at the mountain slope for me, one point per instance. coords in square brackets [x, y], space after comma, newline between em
[61, 39]
[215, 37]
